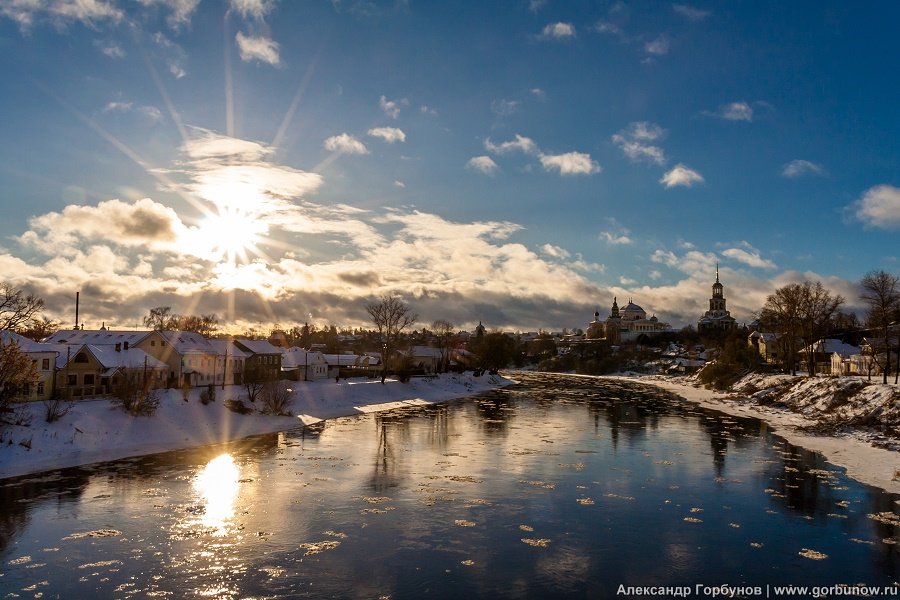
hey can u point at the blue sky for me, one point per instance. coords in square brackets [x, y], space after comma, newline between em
[517, 163]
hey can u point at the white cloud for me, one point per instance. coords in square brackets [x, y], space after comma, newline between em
[399, 184]
[632, 142]
[879, 207]
[799, 168]
[117, 107]
[659, 46]
[485, 164]
[151, 112]
[345, 144]
[257, 48]
[180, 10]
[735, 111]
[388, 134]
[690, 13]
[627, 281]
[555, 251]
[558, 31]
[110, 49]
[539, 94]
[749, 256]
[681, 175]
[504, 108]
[607, 27]
[392, 107]
[521, 144]
[61, 12]
[257, 9]
[616, 239]
[570, 163]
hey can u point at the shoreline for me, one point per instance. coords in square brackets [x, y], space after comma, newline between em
[96, 431]
[877, 467]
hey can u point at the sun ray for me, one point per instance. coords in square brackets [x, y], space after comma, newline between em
[292, 109]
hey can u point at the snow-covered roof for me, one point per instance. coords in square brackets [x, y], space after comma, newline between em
[831, 346]
[259, 346]
[227, 348]
[425, 351]
[25, 345]
[97, 337]
[133, 358]
[342, 360]
[187, 342]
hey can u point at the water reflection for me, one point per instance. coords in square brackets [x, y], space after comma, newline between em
[217, 484]
[619, 483]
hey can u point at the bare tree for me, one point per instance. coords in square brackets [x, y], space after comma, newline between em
[390, 316]
[16, 371]
[443, 331]
[16, 308]
[40, 328]
[800, 313]
[881, 293]
[158, 318]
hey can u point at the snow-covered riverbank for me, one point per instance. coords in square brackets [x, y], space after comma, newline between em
[96, 430]
[851, 449]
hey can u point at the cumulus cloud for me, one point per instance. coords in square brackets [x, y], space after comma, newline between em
[558, 31]
[392, 107]
[749, 256]
[570, 163]
[607, 28]
[520, 144]
[180, 11]
[799, 168]
[681, 175]
[504, 108]
[388, 134]
[879, 207]
[633, 142]
[259, 48]
[110, 49]
[256, 9]
[735, 111]
[345, 144]
[616, 238]
[484, 164]
[690, 13]
[555, 251]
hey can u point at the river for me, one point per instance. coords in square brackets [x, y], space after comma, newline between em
[558, 486]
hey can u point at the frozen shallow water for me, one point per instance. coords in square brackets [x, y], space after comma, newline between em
[556, 487]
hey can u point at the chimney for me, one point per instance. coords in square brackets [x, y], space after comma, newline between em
[77, 298]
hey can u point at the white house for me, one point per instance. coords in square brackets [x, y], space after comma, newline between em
[303, 365]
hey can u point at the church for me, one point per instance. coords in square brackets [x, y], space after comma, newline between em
[625, 324]
[717, 318]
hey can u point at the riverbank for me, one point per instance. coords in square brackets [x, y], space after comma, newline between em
[97, 430]
[850, 449]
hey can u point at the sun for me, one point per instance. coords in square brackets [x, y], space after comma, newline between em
[231, 235]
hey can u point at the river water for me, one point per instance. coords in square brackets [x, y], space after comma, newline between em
[556, 487]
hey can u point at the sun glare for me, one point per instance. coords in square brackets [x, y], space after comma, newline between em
[230, 236]
[217, 484]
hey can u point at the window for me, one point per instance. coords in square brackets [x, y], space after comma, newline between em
[71, 379]
[152, 342]
[26, 389]
[45, 364]
[88, 379]
[81, 357]
[40, 388]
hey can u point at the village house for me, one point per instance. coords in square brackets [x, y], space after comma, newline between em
[829, 355]
[766, 344]
[263, 360]
[43, 356]
[303, 365]
[86, 370]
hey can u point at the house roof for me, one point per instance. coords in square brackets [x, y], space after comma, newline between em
[258, 346]
[295, 357]
[831, 346]
[133, 358]
[97, 337]
[25, 345]
[227, 348]
[426, 351]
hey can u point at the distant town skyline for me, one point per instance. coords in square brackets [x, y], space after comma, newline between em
[518, 164]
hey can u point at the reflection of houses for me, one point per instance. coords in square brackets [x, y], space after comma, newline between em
[43, 356]
[716, 318]
[766, 344]
[627, 324]
[303, 365]
[336, 362]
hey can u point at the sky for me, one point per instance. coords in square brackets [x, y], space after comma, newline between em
[518, 163]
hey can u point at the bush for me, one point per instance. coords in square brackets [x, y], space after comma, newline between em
[276, 398]
[138, 399]
[55, 409]
[238, 407]
[208, 395]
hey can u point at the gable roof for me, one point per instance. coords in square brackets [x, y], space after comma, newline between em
[97, 337]
[258, 346]
[295, 357]
[25, 344]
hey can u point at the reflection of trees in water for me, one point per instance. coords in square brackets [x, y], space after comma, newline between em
[393, 430]
[496, 411]
[20, 495]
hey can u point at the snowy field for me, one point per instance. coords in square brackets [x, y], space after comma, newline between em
[97, 430]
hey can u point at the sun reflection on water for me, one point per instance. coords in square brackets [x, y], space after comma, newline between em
[218, 484]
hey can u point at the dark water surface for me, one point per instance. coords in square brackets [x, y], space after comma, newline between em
[557, 487]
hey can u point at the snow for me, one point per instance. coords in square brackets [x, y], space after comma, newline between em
[795, 407]
[97, 430]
